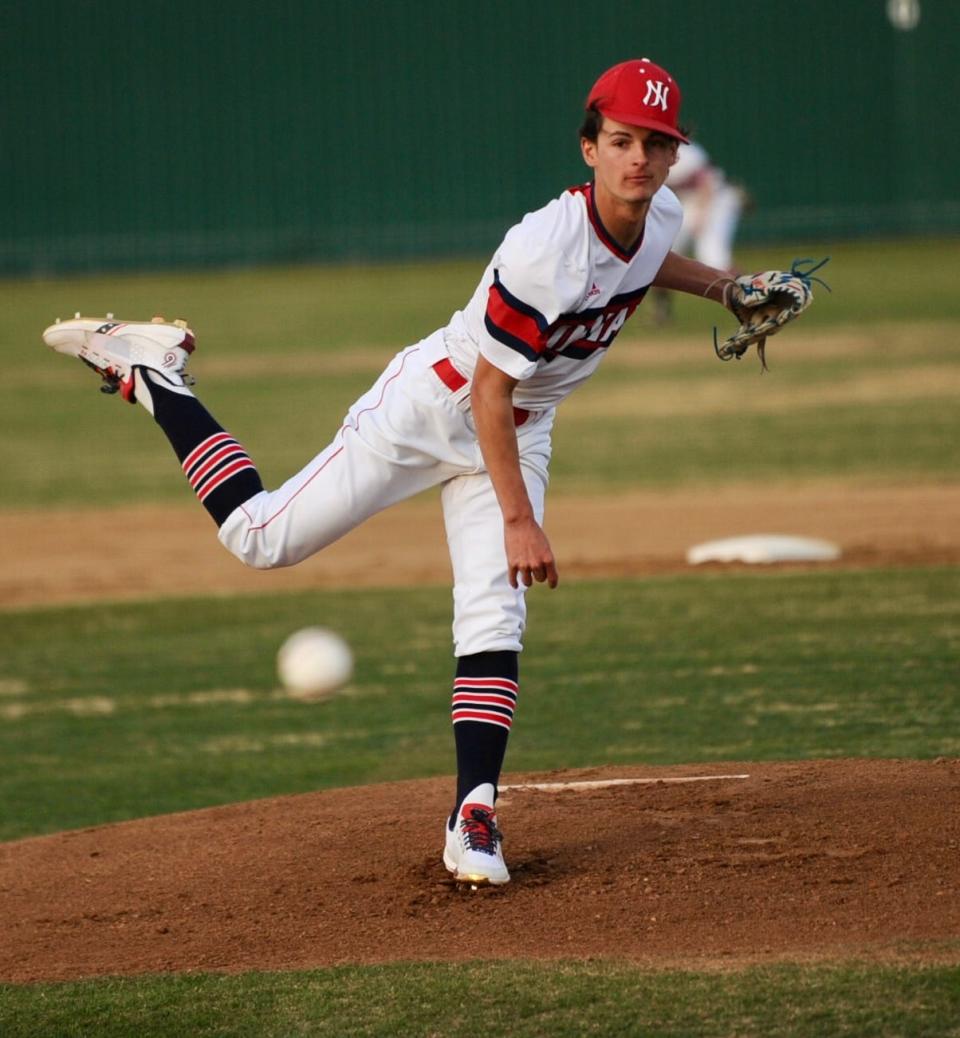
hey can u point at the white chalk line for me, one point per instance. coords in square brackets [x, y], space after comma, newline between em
[559, 787]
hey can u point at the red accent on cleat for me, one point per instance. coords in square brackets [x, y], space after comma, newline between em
[127, 388]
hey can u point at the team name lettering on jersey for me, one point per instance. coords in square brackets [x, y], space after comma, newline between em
[516, 324]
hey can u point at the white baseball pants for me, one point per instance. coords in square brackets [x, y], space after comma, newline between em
[710, 227]
[406, 434]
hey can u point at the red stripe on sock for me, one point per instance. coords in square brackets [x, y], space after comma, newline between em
[499, 682]
[224, 475]
[202, 448]
[227, 451]
[466, 697]
[475, 715]
[495, 684]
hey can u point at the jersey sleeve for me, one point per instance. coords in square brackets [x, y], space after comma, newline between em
[536, 278]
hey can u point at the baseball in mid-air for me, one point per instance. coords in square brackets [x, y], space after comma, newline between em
[314, 662]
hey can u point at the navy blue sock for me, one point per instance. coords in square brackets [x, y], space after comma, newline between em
[484, 698]
[219, 469]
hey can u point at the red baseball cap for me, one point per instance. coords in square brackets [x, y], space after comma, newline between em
[639, 93]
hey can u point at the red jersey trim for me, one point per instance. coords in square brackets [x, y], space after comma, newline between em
[513, 322]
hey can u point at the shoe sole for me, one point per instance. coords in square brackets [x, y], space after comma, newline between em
[475, 879]
[108, 366]
[116, 366]
[109, 327]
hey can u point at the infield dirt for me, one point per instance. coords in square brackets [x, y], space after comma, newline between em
[79, 555]
[801, 861]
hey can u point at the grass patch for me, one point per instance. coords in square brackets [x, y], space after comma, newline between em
[314, 307]
[902, 441]
[523, 1000]
[78, 449]
[718, 426]
[139, 709]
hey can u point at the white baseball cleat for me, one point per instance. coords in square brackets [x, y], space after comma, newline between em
[473, 847]
[114, 348]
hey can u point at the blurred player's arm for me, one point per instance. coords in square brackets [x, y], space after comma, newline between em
[529, 556]
[682, 274]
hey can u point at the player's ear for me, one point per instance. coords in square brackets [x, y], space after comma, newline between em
[675, 152]
[588, 149]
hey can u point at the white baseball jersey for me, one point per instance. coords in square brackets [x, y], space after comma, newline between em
[556, 293]
[552, 300]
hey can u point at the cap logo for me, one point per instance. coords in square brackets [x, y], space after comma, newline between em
[656, 94]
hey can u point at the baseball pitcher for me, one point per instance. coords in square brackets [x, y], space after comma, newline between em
[469, 407]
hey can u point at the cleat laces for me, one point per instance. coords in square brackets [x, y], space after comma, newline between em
[480, 831]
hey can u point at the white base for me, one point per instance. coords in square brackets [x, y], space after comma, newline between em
[764, 548]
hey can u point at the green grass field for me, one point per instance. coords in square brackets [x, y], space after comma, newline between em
[143, 708]
[531, 1000]
[283, 353]
[128, 710]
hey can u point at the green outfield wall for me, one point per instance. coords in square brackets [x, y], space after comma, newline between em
[149, 133]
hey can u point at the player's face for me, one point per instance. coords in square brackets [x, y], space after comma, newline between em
[630, 163]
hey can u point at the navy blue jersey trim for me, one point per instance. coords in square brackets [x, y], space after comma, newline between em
[518, 304]
[576, 352]
[605, 236]
[496, 332]
[628, 297]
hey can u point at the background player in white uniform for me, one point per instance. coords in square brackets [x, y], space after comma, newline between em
[469, 407]
[711, 207]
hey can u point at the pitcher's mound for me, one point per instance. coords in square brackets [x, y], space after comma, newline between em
[819, 859]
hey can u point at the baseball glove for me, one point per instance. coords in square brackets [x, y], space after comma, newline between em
[763, 304]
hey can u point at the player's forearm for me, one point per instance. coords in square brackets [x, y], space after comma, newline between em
[682, 274]
[492, 408]
[527, 551]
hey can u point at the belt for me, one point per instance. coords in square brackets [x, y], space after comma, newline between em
[453, 380]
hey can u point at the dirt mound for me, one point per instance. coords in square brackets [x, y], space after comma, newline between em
[821, 859]
[70, 556]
